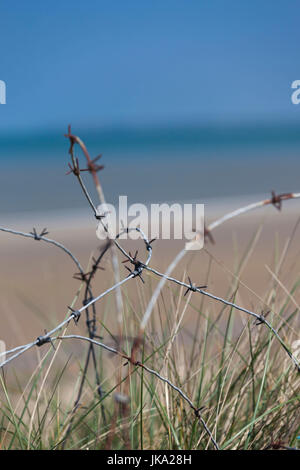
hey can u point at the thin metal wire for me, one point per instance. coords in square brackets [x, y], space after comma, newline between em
[47, 240]
[251, 207]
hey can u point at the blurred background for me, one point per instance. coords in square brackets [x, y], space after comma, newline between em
[192, 99]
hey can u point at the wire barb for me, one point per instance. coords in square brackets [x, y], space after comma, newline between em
[81, 276]
[262, 318]
[192, 287]
[138, 265]
[276, 200]
[148, 244]
[39, 236]
[92, 167]
[76, 314]
[136, 272]
[208, 235]
[41, 340]
[74, 168]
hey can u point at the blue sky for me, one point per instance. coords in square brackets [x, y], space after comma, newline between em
[119, 62]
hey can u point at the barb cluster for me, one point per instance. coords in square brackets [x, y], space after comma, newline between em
[37, 236]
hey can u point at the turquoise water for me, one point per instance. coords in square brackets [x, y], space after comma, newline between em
[151, 165]
[131, 142]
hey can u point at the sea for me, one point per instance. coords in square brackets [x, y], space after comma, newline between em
[187, 163]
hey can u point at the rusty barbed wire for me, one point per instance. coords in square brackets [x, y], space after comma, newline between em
[275, 200]
[93, 170]
[92, 330]
[138, 268]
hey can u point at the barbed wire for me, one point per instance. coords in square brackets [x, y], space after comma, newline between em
[41, 237]
[276, 200]
[75, 315]
[93, 169]
[137, 271]
[259, 317]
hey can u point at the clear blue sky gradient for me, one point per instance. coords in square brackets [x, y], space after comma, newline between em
[119, 62]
